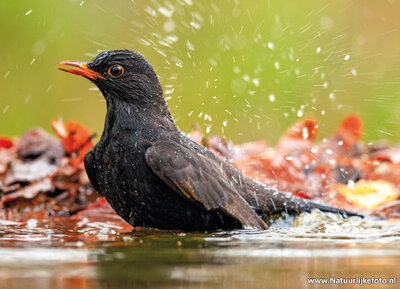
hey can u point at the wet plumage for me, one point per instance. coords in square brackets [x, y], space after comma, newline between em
[152, 174]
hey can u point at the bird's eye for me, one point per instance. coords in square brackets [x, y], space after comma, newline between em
[116, 71]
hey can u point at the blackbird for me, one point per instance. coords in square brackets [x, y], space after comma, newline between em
[152, 174]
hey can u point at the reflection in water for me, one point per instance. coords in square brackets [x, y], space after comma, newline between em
[92, 254]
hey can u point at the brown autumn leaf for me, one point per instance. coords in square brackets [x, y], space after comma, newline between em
[39, 171]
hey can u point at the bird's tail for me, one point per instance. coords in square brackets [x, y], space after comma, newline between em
[269, 201]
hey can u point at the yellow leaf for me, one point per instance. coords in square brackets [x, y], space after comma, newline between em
[369, 194]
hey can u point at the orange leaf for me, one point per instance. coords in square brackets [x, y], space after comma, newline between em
[299, 136]
[75, 138]
[350, 130]
[73, 135]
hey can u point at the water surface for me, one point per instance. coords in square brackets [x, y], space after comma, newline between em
[88, 253]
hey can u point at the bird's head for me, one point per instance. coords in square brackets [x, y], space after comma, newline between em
[119, 74]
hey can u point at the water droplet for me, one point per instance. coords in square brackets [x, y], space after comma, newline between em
[256, 81]
[195, 25]
[305, 133]
[300, 113]
[351, 185]
[165, 12]
[271, 97]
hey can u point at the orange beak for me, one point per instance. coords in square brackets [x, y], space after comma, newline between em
[81, 69]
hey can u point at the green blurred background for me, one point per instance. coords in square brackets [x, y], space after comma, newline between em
[242, 69]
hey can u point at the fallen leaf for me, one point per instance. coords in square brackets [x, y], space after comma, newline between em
[72, 134]
[5, 142]
[369, 194]
[389, 210]
[75, 138]
[299, 136]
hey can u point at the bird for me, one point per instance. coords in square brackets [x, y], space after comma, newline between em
[153, 175]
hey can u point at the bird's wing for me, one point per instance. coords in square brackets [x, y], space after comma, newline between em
[201, 180]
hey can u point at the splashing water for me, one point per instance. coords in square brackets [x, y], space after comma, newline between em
[96, 250]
